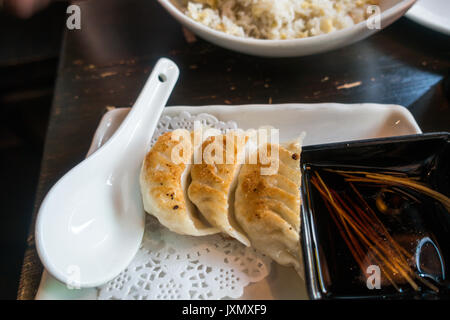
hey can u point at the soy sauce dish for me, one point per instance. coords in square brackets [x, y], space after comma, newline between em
[376, 218]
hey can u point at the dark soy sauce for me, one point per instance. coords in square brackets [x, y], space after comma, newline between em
[417, 222]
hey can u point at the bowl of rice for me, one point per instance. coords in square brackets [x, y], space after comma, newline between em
[285, 28]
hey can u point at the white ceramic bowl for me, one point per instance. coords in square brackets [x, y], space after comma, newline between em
[432, 14]
[392, 10]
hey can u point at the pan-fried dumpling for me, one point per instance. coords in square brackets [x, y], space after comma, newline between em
[164, 180]
[267, 206]
[214, 181]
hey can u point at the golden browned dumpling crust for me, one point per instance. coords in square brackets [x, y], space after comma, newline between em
[267, 207]
[214, 182]
[163, 188]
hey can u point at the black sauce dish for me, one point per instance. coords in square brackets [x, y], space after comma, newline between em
[422, 226]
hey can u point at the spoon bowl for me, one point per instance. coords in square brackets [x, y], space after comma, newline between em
[90, 224]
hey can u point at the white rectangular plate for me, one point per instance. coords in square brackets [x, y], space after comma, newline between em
[323, 123]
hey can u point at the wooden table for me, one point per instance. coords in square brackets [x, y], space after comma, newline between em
[107, 62]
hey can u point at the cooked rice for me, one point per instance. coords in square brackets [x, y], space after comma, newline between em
[277, 19]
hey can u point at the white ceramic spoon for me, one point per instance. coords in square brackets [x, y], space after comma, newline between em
[91, 223]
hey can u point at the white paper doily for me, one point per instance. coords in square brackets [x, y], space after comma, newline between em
[172, 266]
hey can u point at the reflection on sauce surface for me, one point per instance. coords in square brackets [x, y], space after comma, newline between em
[416, 222]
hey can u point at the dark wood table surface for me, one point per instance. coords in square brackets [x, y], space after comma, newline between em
[106, 63]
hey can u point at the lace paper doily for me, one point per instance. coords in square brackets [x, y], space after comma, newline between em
[172, 266]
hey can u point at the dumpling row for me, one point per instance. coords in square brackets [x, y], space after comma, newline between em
[234, 198]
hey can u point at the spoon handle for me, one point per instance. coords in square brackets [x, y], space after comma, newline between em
[148, 106]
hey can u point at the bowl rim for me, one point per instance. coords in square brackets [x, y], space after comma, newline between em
[402, 5]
